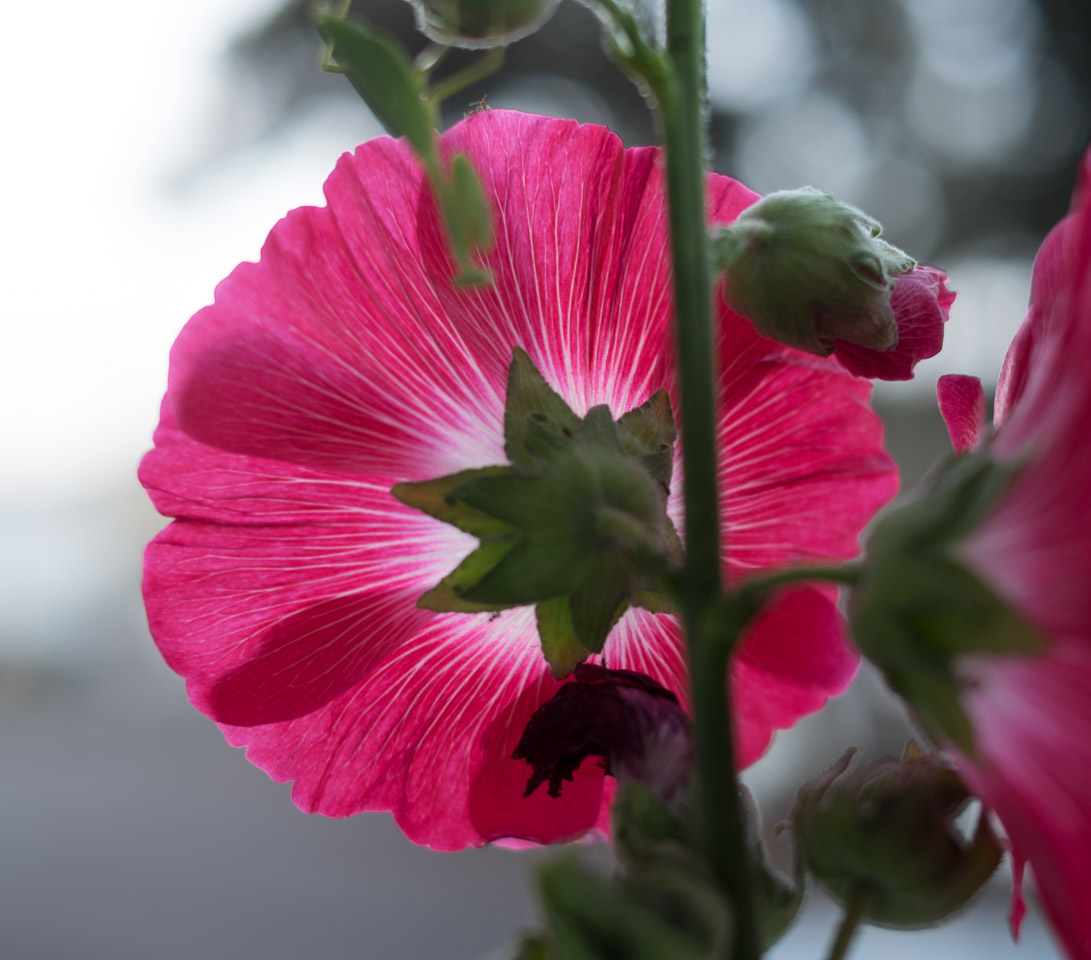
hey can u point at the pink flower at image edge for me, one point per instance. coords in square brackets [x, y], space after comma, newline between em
[1032, 715]
[345, 362]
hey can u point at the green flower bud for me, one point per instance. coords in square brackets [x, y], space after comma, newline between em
[885, 832]
[809, 270]
[669, 907]
[481, 23]
[917, 608]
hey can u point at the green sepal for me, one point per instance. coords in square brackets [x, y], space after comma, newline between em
[653, 601]
[649, 428]
[599, 430]
[528, 395]
[776, 898]
[642, 822]
[533, 946]
[434, 498]
[560, 645]
[597, 604]
[450, 594]
[377, 66]
[917, 607]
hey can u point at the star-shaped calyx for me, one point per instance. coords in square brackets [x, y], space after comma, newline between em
[575, 524]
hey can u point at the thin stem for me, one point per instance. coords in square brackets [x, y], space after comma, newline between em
[681, 102]
[850, 922]
[481, 68]
[848, 574]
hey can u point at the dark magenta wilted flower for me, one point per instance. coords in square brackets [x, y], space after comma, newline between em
[346, 362]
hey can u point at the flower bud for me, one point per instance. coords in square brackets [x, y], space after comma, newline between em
[918, 609]
[809, 270]
[885, 832]
[481, 23]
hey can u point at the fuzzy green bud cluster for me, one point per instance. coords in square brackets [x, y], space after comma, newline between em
[809, 270]
[884, 835]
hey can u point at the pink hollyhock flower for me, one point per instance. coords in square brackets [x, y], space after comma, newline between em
[1031, 715]
[921, 304]
[345, 362]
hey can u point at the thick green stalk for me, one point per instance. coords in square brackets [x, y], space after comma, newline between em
[682, 109]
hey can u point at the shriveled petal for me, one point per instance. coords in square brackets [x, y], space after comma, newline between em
[280, 587]
[420, 737]
[921, 303]
[962, 406]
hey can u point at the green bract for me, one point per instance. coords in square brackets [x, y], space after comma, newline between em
[808, 270]
[916, 608]
[481, 23]
[576, 524]
[885, 833]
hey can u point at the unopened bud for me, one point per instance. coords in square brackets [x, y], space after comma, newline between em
[809, 270]
[885, 833]
[481, 23]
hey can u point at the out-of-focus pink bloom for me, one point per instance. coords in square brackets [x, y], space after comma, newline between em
[921, 304]
[1032, 714]
[345, 362]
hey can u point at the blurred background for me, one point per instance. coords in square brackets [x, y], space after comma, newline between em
[150, 148]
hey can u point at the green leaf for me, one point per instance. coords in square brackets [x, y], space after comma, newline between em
[560, 646]
[528, 396]
[379, 69]
[469, 220]
[434, 498]
[448, 596]
[597, 604]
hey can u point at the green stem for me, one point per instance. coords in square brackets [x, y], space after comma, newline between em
[848, 574]
[850, 922]
[682, 114]
[481, 68]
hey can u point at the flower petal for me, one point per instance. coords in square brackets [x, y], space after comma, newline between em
[262, 594]
[1033, 767]
[334, 351]
[962, 406]
[419, 737]
[921, 303]
[792, 659]
[802, 466]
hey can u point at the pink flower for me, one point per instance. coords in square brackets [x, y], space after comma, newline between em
[345, 362]
[1032, 714]
[921, 304]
